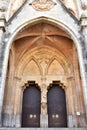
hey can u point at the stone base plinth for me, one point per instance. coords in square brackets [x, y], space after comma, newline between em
[43, 128]
[44, 121]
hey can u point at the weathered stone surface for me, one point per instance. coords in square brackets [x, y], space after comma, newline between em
[43, 46]
[43, 128]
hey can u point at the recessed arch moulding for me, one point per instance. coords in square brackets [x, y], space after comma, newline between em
[41, 55]
[39, 62]
[66, 22]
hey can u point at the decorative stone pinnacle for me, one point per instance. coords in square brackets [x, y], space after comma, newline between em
[84, 4]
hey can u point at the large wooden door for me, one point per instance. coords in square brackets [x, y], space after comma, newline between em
[31, 107]
[57, 115]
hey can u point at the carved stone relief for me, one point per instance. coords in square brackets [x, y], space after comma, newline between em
[43, 5]
[43, 62]
[44, 93]
[44, 108]
[43, 96]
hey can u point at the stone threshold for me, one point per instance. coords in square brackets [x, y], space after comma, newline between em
[43, 128]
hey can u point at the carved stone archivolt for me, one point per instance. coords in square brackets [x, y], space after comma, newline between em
[43, 5]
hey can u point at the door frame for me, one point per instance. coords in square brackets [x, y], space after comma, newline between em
[27, 85]
[62, 87]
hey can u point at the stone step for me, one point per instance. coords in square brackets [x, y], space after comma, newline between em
[43, 128]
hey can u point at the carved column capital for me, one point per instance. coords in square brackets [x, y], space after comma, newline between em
[83, 19]
[17, 78]
[70, 78]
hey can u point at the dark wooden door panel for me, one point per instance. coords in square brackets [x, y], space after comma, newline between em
[31, 107]
[57, 115]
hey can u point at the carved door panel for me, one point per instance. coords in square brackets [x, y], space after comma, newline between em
[31, 107]
[57, 115]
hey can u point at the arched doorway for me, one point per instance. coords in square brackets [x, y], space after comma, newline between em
[57, 115]
[31, 106]
[41, 55]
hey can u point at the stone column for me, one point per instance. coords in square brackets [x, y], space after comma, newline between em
[8, 105]
[79, 93]
[18, 102]
[44, 115]
[71, 102]
[3, 8]
[2, 28]
[84, 32]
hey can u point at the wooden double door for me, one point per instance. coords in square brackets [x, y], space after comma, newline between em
[31, 108]
[57, 115]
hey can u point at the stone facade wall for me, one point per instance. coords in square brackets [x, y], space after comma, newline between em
[19, 34]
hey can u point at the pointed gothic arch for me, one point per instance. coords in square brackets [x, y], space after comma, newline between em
[24, 62]
[72, 28]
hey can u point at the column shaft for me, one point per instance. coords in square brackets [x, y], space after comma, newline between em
[2, 28]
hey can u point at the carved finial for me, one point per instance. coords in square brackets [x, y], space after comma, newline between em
[3, 5]
[84, 4]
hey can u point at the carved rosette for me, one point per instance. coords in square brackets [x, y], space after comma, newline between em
[43, 5]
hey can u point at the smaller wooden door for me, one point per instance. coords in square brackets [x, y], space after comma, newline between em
[57, 115]
[31, 107]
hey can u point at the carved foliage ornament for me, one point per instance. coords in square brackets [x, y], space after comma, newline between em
[43, 5]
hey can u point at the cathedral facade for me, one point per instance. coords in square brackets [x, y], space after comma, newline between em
[43, 63]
